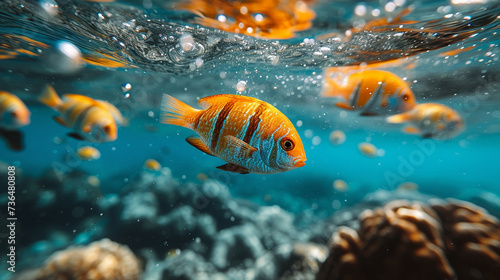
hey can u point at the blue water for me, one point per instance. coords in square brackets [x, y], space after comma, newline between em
[469, 81]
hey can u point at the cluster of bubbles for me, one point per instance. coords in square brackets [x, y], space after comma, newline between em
[188, 51]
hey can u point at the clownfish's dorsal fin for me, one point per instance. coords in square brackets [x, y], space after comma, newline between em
[208, 101]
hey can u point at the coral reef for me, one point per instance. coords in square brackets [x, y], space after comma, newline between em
[472, 239]
[199, 231]
[100, 260]
[403, 240]
[196, 231]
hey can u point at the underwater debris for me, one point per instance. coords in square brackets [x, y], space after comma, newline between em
[267, 19]
[403, 240]
[303, 261]
[243, 123]
[431, 120]
[101, 117]
[340, 185]
[337, 137]
[13, 112]
[88, 153]
[407, 186]
[369, 150]
[100, 260]
[372, 92]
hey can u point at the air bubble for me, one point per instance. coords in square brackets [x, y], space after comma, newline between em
[198, 62]
[316, 140]
[259, 17]
[221, 18]
[130, 24]
[64, 57]
[186, 42]
[241, 86]
[360, 10]
[49, 6]
[390, 7]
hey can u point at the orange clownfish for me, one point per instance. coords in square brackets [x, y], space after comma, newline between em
[92, 120]
[431, 120]
[251, 135]
[373, 92]
[13, 115]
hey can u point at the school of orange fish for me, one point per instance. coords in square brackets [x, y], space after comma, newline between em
[251, 135]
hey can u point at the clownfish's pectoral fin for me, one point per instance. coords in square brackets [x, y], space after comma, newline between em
[344, 105]
[76, 136]
[60, 121]
[196, 142]
[238, 147]
[234, 168]
[411, 130]
[14, 139]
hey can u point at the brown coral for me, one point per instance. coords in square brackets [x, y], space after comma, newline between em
[406, 240]
[102, 259]
[472, 239]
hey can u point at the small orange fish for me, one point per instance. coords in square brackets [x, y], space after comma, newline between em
[368, 149]
[152, 165]
[431, 120]
[373, 92]
[13, 113]
[92, 120]
[340, 185]
[251, 135]
[88, 153]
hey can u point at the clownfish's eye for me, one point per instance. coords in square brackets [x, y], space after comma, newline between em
[13, 114]
[287, 144]
[106, 129]
[406, 97]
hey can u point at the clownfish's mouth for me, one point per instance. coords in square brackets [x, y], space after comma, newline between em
[299, 162]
